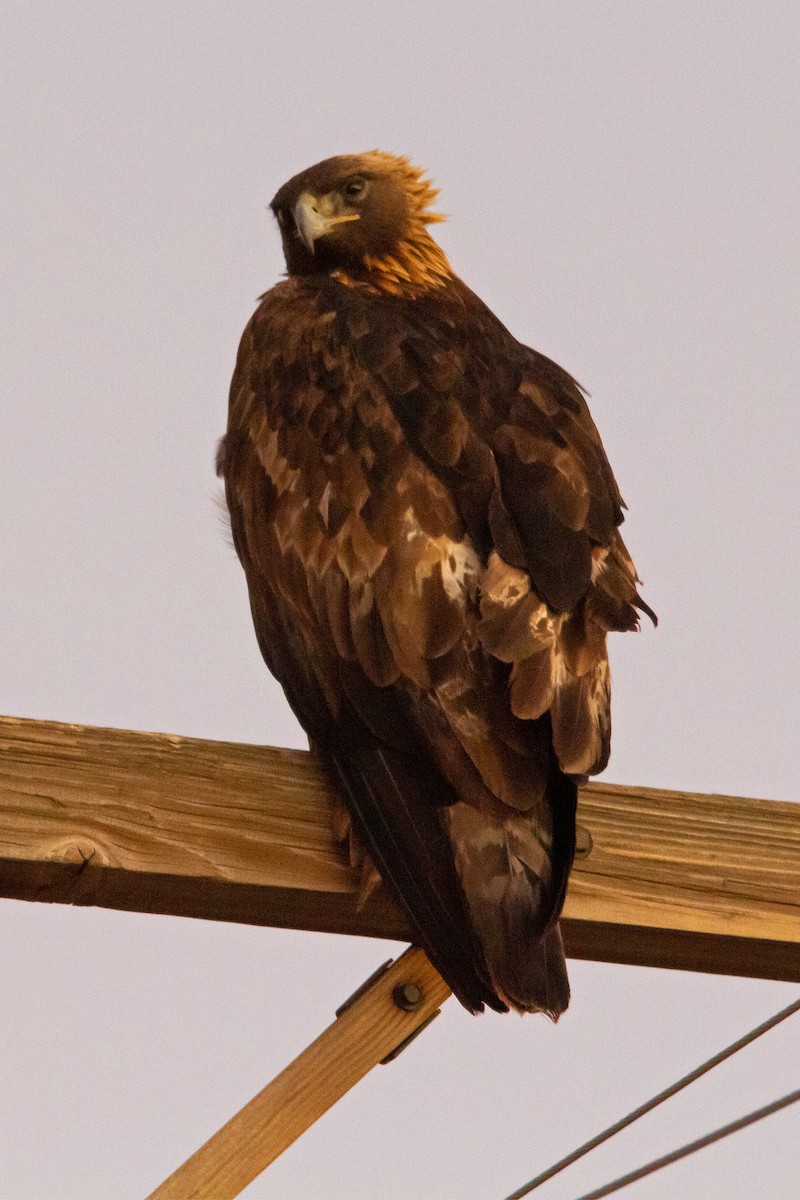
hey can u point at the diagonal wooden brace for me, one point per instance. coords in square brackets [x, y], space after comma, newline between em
[377, 1020]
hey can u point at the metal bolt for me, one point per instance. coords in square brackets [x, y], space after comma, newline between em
[408, 996]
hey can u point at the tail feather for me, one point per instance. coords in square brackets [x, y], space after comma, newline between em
[482, 885]
[393, 802]
[513, 870]
[537, 981]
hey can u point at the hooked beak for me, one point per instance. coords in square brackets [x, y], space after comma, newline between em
[315, 216]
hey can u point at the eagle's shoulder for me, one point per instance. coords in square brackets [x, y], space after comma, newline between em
[505, 429]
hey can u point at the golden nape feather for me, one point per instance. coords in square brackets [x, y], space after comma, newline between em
[429, 530]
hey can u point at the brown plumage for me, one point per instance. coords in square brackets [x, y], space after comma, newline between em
[428, 525]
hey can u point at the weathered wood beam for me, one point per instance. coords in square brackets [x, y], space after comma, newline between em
[154, 823]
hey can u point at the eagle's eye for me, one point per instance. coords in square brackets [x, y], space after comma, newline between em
[354, 188]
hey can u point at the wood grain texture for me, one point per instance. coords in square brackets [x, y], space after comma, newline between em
[364, 1034]
[156, 823]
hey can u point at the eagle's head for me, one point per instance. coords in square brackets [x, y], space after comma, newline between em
[362, 218]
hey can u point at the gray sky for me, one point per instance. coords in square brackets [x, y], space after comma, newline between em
[623, 184]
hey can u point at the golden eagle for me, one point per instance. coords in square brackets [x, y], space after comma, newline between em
[428, 525]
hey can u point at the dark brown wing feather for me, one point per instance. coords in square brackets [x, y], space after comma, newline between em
[428, 526]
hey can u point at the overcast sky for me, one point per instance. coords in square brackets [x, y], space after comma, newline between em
[623, 182]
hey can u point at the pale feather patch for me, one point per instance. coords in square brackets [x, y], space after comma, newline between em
[581, 719]
[548, 670]
[265, 442]
[516, 627]
[532, 685]
[458, 561]
[599, 557]
[503, 584]
[454, 695]
[506, 586]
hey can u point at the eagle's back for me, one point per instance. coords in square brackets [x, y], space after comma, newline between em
[428, 526]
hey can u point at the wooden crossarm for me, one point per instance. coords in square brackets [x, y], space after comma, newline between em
[155, 823]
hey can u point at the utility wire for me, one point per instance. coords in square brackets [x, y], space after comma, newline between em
[683, 1152]
[678, 1086]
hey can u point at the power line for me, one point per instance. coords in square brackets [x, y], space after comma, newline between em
[683, 1151]
[647, 1107]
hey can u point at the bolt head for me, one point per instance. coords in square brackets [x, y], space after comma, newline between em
[408, 996]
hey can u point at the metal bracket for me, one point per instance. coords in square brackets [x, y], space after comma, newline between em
[408, 996]
[393, 1054]
[364, 987]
